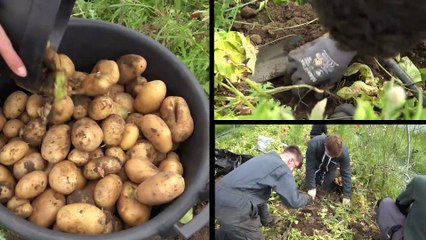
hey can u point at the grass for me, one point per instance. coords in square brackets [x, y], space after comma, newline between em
[379, 167]
[169, 22]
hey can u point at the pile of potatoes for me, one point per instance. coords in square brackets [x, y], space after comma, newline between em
[98, 159]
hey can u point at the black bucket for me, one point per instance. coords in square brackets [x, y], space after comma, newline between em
[86, 42]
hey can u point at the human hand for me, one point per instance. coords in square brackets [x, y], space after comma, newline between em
[318, 63]
[10, 56]
[346, 201]
[312, 193]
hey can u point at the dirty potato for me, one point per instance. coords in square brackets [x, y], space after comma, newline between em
[34, 132]
[113, 129]
[15, 104]
[86, 135]
[81, 106]
[157, 132]
[34, 103]
[13, 152]
[130, 210]
[27, 164]
[143, 150]
[64, 177]
[81, 218]
[175, 112]
[130, 66]
[138, 170]
[62, 111]
[171, 164]
[12, 128]
[78, 157]
[31, 185]
[45, 207]
[130, 136]
[7, 184]
[107, 191]
[56, 143]
[117, 153]
[150, 97]
[100, 167]
[21, 207]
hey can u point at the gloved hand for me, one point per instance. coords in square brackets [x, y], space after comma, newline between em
[312, 193]
[346, 201]
[318, 63]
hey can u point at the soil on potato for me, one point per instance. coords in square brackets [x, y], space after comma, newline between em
[279, 20]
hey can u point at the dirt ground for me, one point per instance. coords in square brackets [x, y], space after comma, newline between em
[279, 20]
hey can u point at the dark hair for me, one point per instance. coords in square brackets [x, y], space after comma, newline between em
[379, 28]
[295, 150]
[334, 145]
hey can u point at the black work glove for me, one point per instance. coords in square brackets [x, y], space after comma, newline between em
[318, 63]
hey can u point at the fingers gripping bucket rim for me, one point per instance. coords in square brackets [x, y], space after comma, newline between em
[113, 41]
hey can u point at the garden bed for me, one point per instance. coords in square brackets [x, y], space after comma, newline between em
[279, 20]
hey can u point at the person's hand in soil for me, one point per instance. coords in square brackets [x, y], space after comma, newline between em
[10, 56]
[318, 63]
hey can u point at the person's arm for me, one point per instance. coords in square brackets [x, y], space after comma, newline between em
[406, 198]
[310, 166]
[345, 172]
[324, 129]
[288, 193]
[9, 55]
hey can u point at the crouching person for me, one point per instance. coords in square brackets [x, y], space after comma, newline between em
[406, 217]
[240, 192]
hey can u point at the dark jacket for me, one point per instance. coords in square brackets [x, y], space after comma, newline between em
[412, 202]
[254, 181]
[315, 160]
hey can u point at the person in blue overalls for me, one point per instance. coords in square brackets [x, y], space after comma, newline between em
[239, 193]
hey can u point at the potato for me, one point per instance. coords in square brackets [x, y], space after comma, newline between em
[34, 132]
[81, 218]
[3, 120]
[103, 76]
[24, 117]
[171, 164]
[99, 167]
[150, 96]
[117, 153]
[12, 127]
[134, 86]
[161, 188]
[64, 177]
[62, 111]
[175, 112]
[143, 150]
[157, 132]
[130, 136]
[46, 206]
[15, 104]
[96, 154]
[160, 157]
[113, 129]
[78, 157]
[31, 185]
[107, 191]
[33, 105]
[101, 107]
[29, 163]
[81, 180]
[114, 89]
[84, 195]
[7, 184]
[59, 62]
[138, 170]
[125, 100]
[21, 207]
[86, 135]
[13, 152]
[81, 106]
[56, 143]
[76, 80]
[130, 210]
[135, 118]
[130, 66]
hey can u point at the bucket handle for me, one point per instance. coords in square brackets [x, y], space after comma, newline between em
[197, 222]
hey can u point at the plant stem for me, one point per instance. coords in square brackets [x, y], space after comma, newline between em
[278, 28]
[286, 88]
[239, 6]
[231, 88]
[256, 87]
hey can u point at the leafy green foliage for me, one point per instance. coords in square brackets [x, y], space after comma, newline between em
[379, 164]
[367, 83]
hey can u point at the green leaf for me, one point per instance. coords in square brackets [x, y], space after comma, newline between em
[317, 112]
[262, 5]
[408, 66]
[187, 217]
[356, 89]
[364, 111]
[366, 74]
[423, 73]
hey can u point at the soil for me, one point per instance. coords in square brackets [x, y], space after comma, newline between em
[279, 20]
[310, 221]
